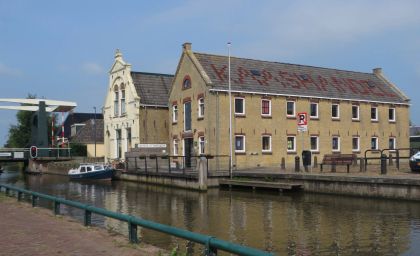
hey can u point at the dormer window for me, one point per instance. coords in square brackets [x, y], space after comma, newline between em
[186, 83]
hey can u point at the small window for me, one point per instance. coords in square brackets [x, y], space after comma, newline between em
[374, 113]
[290, 108]
[314, 143]
[335, 143]
[355, 144]
[201, 107]
[187, 116]
[355, 112]
[266, 143]
[391, 114]
[266, 107]
[314, 110]
[186, 83]
[201, 145]
[175, 143]
[374, 143]
[335, 111]
[239, 143]
[88, 168]
[291, 144]
[239, 106]
[83, 169]
[129, 138]
[392, 143]
[174, 113]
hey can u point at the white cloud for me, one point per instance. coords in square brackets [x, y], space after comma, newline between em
[8, 71]
[92, 68]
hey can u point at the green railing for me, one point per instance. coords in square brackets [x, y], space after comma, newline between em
[211, 244]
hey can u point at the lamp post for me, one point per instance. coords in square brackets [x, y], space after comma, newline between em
[94, 127]
[230, 116]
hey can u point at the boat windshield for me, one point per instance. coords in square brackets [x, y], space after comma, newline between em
[98, 167]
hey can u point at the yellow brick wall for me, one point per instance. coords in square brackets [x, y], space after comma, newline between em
[215, 124]
[154, 126]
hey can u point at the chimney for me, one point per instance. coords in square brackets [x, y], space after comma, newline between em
[186, 46]
[377, 71]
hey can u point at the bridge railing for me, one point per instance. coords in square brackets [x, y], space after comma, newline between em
[211, 243]
[54, 152]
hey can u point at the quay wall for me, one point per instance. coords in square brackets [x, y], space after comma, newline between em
[169, 180]
[378, 187]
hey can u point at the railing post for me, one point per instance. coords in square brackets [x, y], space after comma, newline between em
[7, 191]
[145, 163]
[297, 164]
[157, 165]
[88, 218]
[183, 165]
[56, 208]
[169, 164]
[135, 164]
[19, 196]
[34, 201]
[132, 233]
[210, 251]
[383, 164]
[397, 160]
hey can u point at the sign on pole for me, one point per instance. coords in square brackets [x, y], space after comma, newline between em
[302, 121]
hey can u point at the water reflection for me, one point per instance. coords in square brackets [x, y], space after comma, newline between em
[288, 224]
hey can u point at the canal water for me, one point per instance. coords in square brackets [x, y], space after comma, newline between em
[287, 224]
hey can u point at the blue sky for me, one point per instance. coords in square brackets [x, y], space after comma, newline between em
[63, 49]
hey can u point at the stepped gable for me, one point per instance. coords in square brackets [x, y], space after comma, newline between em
[248, 75]
[152, 88]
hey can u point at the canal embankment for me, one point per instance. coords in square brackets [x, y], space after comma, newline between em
[396, 184]
[36, 231]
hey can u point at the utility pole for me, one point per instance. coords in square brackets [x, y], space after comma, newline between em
[230, 117]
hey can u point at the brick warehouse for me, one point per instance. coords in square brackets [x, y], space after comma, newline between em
[348, 111]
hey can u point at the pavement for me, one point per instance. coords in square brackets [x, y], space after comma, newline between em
[37, 231]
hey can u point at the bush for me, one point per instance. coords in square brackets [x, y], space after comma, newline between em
[78, 149]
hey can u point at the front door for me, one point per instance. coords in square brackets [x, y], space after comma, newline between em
[188, 151]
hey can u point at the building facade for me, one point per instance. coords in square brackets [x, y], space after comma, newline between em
[348, 112]
[135, 109]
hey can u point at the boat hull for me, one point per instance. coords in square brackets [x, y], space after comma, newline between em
[96, 175]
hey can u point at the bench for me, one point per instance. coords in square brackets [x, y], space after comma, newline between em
[338, 159]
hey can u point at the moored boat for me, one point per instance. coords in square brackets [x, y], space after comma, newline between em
[92, 171]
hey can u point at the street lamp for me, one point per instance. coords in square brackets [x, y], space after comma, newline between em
[94, 127]
[230, 117]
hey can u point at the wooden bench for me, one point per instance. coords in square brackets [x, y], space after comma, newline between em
[338, 159]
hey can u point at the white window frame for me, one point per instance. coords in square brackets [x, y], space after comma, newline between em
[174, 113]
[394, 114]
[317, 110]
[175, 147]
[377, 143]
[116, 103]
[294, 144]
[358, 144]
[200, 102]
[243, 105]
[338, 111]
[358, 112]
[317, 143]
[269, 143]
[269, 107]
[376, 114]
[244, 139]
[338, 144]
[294, 108]
[395, 143]
[201, 145]
[185, 120]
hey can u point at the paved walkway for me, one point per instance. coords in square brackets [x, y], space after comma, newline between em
[36, 231]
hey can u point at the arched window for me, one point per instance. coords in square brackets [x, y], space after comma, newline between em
[116, 101]
[122, 99]
[186, 83]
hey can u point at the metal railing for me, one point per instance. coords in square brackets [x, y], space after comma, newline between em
[212, 244]
[185, 165]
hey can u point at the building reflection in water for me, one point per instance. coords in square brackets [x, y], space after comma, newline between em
[288, 224]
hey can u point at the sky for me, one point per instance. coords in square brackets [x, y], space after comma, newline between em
[63, 50]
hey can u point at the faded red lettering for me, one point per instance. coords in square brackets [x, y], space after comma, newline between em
[220, 72]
